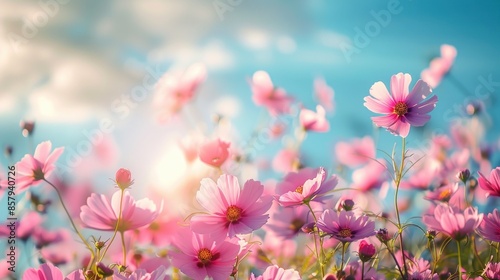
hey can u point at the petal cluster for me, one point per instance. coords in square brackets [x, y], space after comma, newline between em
[452, 221]
[491, 184]
[345, 226]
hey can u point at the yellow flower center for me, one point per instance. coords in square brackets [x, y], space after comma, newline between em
[204, 255]
[233, 213]
[299, 189]
[345, 232]
[444, 195]
[401, 108]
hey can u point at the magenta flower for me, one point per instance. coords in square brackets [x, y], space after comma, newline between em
[401, 108]
[306, 185]
[366, 251]
[288, 222]
[356, 151]
[275, 272]
[452, 221]
[492, 270]
[265, 94]
[314, 121]
[490, 226]
[214, 153]
[442, 194]
[345, 226]
[491, 185]
[99, 213]
[31, 169]
[204, 255]
[231, 210]
[439, 66]
[123, 178]
[324, 94]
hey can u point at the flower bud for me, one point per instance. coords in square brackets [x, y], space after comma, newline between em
[123, 178]
[366, 251]
[103, 270]
[383, 235]
[308, 228]
[330, 277]
[464, 175]
[348, 205]
[27, 128]
[8, 151]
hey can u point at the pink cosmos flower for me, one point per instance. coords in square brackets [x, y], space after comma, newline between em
[275, 100]
[175, 89]
[48, 271]
[356, 151]
[286, 160]
[32, 169]
[353, 269]
[491, 185]
[442, 193]
[288, 222]
[345, 226]
[490, 226]
[160, 232]
[231, 210]
[303, 186]
[314, 121]
[204, 255]
[25, 227]
[324, 94]
[401, 109]
[370, 176]
[214, 152]
[101, 214]
[453, 221]
[492, 270]
[275, 272]
[439, 66]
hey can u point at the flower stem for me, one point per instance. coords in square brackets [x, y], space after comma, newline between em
[459, 260]
[319, 253]
[116, 227]
[123, 248]
[343, 254]
[396, 261]
[399, 177]
[362, 270]
[71, 220]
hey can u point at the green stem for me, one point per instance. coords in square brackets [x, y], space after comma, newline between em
[399, 177]
[116, 227]
[71, 220]
[396, 261]
[459, 261]
[343, 253]
[123, 248]
[319, 253]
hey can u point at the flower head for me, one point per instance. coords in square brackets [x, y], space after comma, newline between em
[439, 66]
[214, 153]
[452, 221]
[303, 186]
[324, 94]
[366, 251]
[99, 213]
[160, 273]
[401, 108]
[265, 94]
[231, 210]
[275, 272]
[345, 226]
[204, 255]
[314, 121]
[491, 185]
[356, 151]
[492, 270]
[490, 226]
[123, 178]
[34, 168]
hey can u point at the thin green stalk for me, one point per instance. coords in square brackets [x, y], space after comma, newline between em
[459, 260]
[399, 177]
[116, 227]
[71, 219]
[319, 253]
[396, 261]
[343, 253]
[123, 248]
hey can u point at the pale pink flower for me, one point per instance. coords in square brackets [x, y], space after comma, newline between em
[356, 151]
[314, 121]
[401, 108]
[288, 222]
[25, 227]
[160, 232]
[102, 214]
[275, 272]
[452, 221]
[346, 226]
[324, 94]
[353, 269]
[439, 66]
[490, 226]
[306, 185]
[204, 255]
[175, 89]
[214, 153]
[32, 169]
[492, 270]
[275, 100]
[231, 210]
[370, 176]
[442, 193]
[491, 184]
[45, 271]
[286, 160]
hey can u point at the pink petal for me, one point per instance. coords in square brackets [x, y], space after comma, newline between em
[385, 121]
[417, 120]
[401, 128]
[419, 92]
[210, 197]
[380, 92]
[376, 106]
[230, 188]
[42, 151]
[399, 86]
